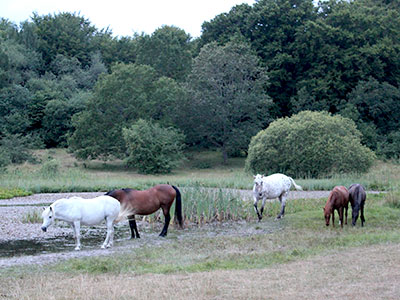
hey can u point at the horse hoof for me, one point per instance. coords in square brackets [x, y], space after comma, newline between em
[77, 248]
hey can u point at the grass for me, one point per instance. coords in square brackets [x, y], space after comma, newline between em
[230, 247]
[6, 193]
[301, 234]
[340, 275]
[32, 217]
[201, 169]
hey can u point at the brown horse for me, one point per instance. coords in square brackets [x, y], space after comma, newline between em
[338, 199]
[147, 202]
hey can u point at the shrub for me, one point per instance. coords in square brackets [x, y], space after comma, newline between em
[16, 149]
[50, 168]
[309, 144]
[152, 148]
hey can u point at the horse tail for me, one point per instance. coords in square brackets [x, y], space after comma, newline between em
[297, 187]
[178, 206]
[124, 213]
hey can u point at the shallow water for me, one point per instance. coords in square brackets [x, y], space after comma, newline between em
[92, 238]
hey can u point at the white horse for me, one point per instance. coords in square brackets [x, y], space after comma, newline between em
[270, 187]
[77, 211]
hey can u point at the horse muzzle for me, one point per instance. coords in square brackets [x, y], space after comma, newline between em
[44, 228]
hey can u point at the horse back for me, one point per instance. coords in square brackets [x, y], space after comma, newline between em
[338, 197]
[145, 202]
[357, 194]
[93, 211]
[276, 184]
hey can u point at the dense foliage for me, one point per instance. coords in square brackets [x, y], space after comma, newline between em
[66, 83]
[152, 148]
[226, 100]
[309, 144]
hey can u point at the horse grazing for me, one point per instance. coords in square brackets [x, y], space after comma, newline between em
[147, 202]
[338, 199]
[357, 198]
[77, 211]
[270, 187]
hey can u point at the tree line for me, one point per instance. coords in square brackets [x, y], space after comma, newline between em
[66, 83]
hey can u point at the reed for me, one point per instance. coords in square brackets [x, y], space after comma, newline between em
[207, 205]
[32, 217]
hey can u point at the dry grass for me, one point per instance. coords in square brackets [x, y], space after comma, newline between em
[371, 272]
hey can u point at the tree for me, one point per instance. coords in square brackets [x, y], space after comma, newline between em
[225, 25]
[375, 107]
[227, 103]
[350, 41]
[167, 50]
[271, 28]
[309, 144]
[130, 92]
[65, 33]
[152, 148]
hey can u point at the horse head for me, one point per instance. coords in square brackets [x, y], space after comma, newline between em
[327, 214]
[48, 217]
[354, 215]
[258, 185]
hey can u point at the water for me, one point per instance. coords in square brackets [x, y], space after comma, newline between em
[91, 238]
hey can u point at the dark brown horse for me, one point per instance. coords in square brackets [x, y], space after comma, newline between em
[338, 199]
[147, 202]
[357, 198]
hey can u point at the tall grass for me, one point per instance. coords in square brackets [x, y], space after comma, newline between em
[64, 174]
[32, 217]
[206, 205]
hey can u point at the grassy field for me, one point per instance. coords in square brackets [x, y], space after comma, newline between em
[231, 259]
[60, 172]
[223, 252]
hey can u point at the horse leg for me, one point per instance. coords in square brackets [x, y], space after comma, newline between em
[341, 216]
[362, 215]
[108, 242]
[77, 228]
[282, 199]
[132, 225]
[262, 206]
[256, 209]
[333, 218]
[346, 209]
[166, 224]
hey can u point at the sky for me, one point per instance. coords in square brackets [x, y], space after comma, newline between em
[125, 17]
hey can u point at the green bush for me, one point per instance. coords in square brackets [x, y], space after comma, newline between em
[152, 148]
[50, 168]
[309, 144]
[16, 149]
